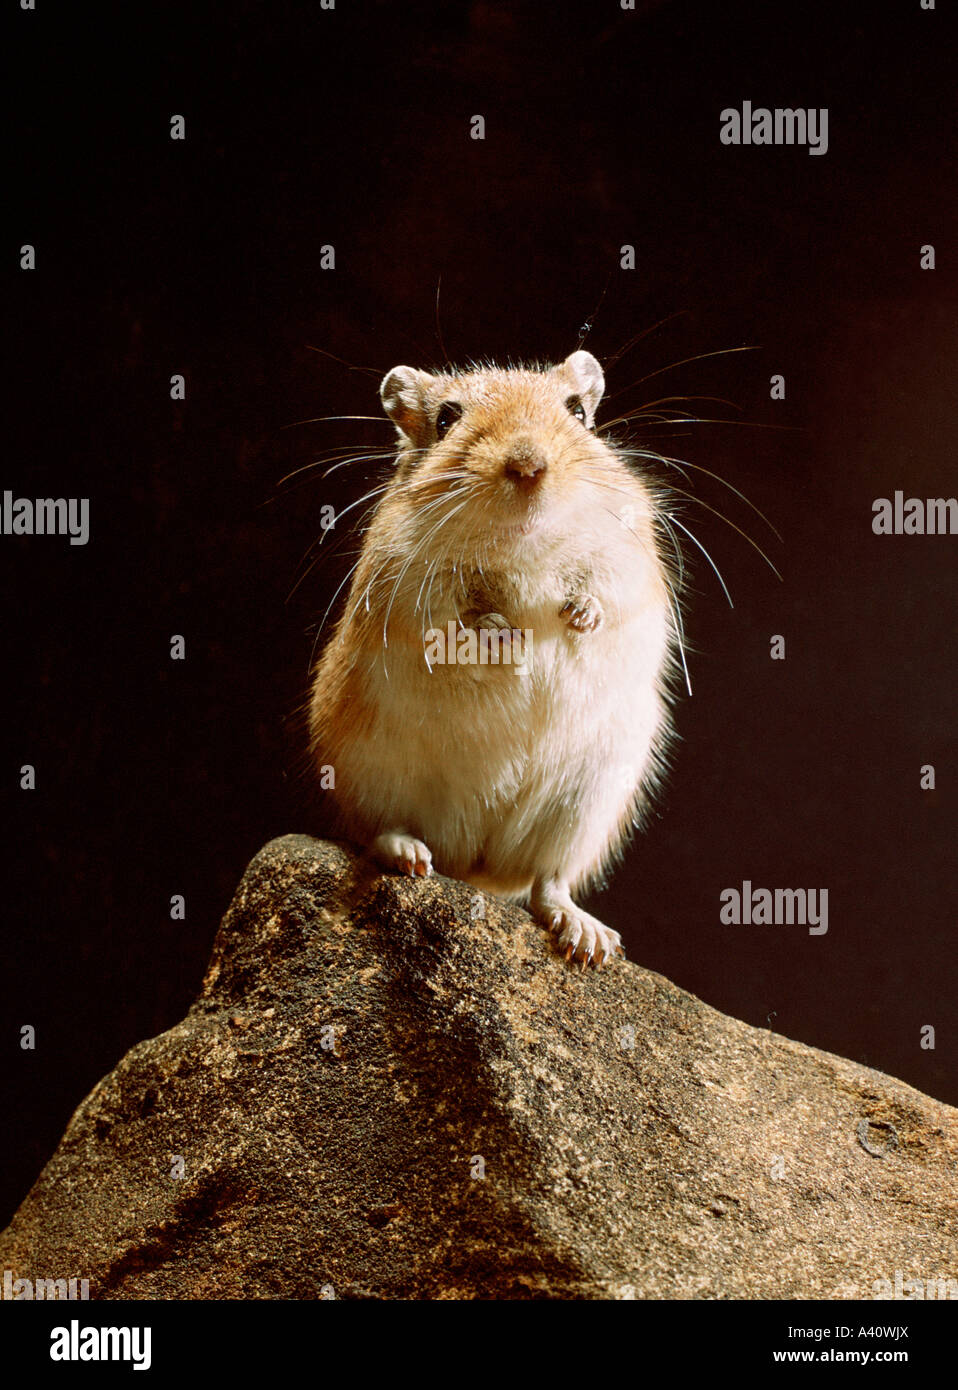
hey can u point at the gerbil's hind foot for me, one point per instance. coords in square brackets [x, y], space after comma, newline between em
[579, 936]
[402, 853]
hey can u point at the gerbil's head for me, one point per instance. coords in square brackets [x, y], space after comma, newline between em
[515, 447]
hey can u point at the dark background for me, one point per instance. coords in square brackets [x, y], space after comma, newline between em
[351, 127]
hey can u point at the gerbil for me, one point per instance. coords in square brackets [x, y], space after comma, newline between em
[506, 510]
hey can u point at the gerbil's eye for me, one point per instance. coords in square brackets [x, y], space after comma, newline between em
[449, 413]
[575, 407]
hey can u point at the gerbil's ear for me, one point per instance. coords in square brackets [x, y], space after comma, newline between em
[583, 369]
[402, 393]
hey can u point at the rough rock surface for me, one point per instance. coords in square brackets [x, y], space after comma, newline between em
[634, 1142]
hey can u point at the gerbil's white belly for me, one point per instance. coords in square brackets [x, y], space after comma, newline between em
[508, 776]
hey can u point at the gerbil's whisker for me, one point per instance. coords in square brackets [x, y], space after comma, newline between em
[368, 496]
[681, 464]
[423, 511]
[376, 491]
[372, 456]
[373, 492]
[427, 606]
[679, 629]
[417, 550]
[663, 520]
[683, 492]
[649, 456]
[323, 419]
[661, 517]
[635, 417]
[442, 345]
[352, 570]
[611, 361]
[643, 413]
[699, 357]
[369, 371]
[675, 521]
[380, 457]
[442, 521]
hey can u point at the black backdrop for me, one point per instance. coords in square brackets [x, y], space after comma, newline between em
[350, 127]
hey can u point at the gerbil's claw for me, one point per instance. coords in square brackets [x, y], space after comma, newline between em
[493, 622]
[580, 938]
[582, 613]
[402, 853]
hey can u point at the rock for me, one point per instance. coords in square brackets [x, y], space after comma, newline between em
[393, 1088]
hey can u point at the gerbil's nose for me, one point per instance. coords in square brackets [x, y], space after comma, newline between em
[525, 464]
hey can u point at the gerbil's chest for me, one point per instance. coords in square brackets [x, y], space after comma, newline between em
[535, 596]
[582, 628]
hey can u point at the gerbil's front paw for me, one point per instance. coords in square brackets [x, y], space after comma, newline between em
[507, 647]
[582, 613]
[402, 854]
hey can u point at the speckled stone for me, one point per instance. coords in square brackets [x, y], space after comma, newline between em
[394, 1089]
